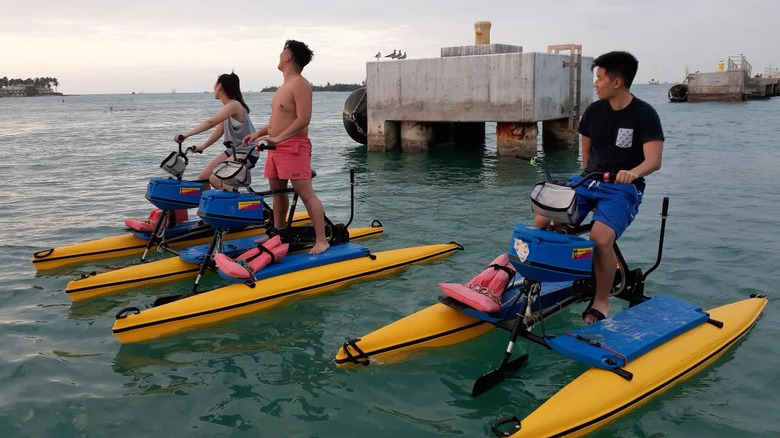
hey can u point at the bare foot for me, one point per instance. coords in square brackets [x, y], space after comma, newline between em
[319, 247]
[597, 312]
[262, 239]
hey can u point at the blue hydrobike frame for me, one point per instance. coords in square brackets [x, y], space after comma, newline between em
[554, 271]
[225, 210]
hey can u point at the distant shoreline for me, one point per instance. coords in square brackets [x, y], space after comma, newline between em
[327, 87]
[33, 95]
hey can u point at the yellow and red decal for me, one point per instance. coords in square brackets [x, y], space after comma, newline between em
[581, 253]
[250, 205]
[189, 191]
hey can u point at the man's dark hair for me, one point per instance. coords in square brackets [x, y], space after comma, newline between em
[618, 64]
[301, 53]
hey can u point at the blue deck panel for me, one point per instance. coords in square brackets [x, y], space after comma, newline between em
[231, 248]
[631, 333]
[176, 230]
[296, 262]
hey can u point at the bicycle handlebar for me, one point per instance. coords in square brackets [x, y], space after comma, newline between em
[264, 146]
[536, 161]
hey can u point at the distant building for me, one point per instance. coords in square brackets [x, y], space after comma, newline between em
[21, 90]
[13, 90]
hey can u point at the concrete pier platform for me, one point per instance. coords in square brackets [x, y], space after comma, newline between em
[732, 82]
[760, 88]
[727, 86]
[409, 101]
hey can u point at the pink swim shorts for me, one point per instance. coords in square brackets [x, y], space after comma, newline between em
[291, 159]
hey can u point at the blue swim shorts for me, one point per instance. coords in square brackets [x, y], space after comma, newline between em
[616, 205]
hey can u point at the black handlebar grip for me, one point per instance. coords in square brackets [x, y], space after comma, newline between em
[179, 139]
[665, 206]
[264, 146]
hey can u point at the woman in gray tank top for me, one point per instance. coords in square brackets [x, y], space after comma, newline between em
[231, 122]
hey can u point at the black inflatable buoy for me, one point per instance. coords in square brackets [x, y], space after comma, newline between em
[678, 93]
[355, 116]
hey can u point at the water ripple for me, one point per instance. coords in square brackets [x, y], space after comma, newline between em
[272, 373]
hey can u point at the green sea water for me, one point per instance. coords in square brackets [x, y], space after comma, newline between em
[75, 167]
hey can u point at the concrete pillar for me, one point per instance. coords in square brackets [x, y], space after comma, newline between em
[516, 138]
[557, 135]
[384, 137]
[392, 135]
[469, 133]
[482, 32]
[416, 136]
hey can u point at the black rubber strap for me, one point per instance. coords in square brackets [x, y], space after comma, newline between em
[509, 271]
[361, 358]
[127, 311]
[496, 427]
[262, 249]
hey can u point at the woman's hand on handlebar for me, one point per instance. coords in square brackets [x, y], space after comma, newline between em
[250, 138]
[179, 138]
[254, 138]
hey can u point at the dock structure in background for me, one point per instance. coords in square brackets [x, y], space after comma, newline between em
[732, 81]
[552, 130]
[415, 103]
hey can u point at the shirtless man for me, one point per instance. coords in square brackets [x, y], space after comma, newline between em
[288, 129]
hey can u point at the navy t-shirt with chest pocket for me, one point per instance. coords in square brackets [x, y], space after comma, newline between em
[617, 137]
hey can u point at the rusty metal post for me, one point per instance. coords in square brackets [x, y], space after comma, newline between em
[516, 138]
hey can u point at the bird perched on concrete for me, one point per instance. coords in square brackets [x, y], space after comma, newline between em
[378, 55]
[392, 55]
[402, 56]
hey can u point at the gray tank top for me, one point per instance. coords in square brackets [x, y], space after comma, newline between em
[235, 131]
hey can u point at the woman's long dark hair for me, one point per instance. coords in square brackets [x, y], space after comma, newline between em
[232, 87]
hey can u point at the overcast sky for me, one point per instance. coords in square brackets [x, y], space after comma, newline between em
[155, 46]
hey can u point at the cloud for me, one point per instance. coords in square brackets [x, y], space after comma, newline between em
[152, 44]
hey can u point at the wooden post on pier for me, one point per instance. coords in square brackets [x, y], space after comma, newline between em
[555, 133]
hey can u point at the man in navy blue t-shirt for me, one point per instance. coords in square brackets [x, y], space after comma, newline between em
[622, 135]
